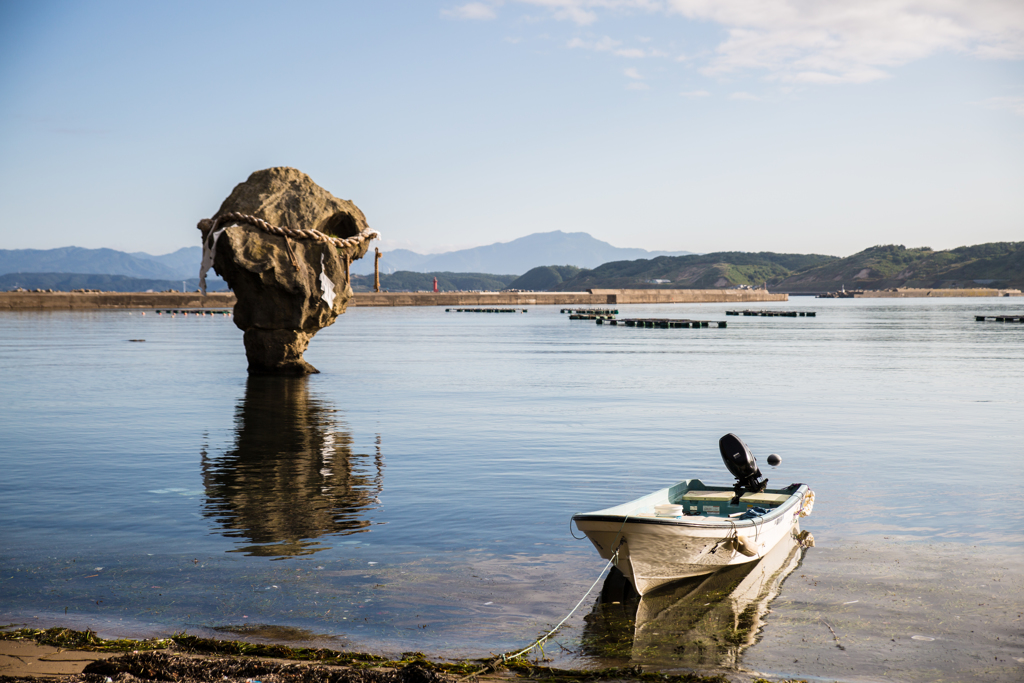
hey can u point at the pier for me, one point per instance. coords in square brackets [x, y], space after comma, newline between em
[591, 316]
[663, 323]
[591, 311]
[775, 314]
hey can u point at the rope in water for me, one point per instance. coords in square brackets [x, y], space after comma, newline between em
[505, 657]
[539, 641]
[547, 635]
[294, 233]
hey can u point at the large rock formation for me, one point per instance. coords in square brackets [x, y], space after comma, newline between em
[291, 285]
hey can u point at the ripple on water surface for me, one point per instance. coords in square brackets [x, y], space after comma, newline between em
[416, 494]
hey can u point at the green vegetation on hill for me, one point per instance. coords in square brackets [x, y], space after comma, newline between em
[544, 278]
[695, 271]
[408, 281]
[996, 264]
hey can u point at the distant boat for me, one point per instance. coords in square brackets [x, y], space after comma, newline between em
[692, 529]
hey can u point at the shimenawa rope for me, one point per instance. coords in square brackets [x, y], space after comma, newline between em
[295, 233]
[235, 218]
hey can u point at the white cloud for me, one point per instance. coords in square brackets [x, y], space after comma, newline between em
[808, 41]
[632, 73]
[604, 44]
[1013, 104]
[823, 41]
[471, 10]
[585, 12]
[607, 44]
[696, 93]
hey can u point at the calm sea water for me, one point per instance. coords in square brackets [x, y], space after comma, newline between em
[416, 494]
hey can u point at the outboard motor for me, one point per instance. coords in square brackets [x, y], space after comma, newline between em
[742, 465]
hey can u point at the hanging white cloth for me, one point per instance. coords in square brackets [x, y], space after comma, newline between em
[208, 252]
[326, 283]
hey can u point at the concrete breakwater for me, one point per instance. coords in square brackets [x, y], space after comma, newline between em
[24, 301]
[593, 297]
[57, 301]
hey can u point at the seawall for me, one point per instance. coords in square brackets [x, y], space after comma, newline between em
[28, 301]
[594, 297]
[56, 301]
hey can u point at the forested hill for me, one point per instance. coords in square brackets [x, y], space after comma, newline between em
[996, 264]
[696, 271]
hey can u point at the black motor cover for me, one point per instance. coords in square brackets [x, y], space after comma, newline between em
[741, 464]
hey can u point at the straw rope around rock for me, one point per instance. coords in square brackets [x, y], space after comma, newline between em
[295, 233]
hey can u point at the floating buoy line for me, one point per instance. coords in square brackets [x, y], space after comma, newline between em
[592, 316]
[775, 314]
[193, 311]
[1000, 318]
[663, 323]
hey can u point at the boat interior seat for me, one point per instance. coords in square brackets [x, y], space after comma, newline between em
[719, 503]
[764, 499]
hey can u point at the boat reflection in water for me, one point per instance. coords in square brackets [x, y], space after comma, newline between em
[291, 477]
[700, 622]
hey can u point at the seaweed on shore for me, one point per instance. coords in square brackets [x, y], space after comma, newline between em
[172, 659]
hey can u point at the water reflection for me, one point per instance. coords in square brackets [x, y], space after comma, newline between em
[701, 622]
[291, 477]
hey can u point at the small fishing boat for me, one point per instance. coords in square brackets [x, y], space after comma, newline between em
[692, 529]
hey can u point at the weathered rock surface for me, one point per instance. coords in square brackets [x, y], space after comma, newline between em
[283, 300]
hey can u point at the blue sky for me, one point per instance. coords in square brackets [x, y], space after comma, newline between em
[700, 125]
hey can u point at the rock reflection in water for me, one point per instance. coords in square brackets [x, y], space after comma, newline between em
[291, 477]
[700, 622]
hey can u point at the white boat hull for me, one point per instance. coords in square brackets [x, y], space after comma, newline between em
[652, 551]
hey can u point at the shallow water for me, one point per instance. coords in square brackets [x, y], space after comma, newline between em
[415, 495]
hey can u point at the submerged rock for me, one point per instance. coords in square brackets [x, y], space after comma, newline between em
[284, 245]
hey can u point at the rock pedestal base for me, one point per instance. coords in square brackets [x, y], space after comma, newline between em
[277, 352]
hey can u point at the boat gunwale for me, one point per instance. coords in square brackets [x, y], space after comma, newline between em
[721, 522]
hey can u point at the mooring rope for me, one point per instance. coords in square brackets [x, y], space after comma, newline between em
[295, 233]
[550, 633]
[505, 657]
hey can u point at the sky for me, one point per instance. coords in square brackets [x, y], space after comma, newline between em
[699, 125]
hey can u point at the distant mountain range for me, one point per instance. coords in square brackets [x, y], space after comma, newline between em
[179, 265]
[518, 256]
[515, 257]
[66, 282]
[590, 264]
